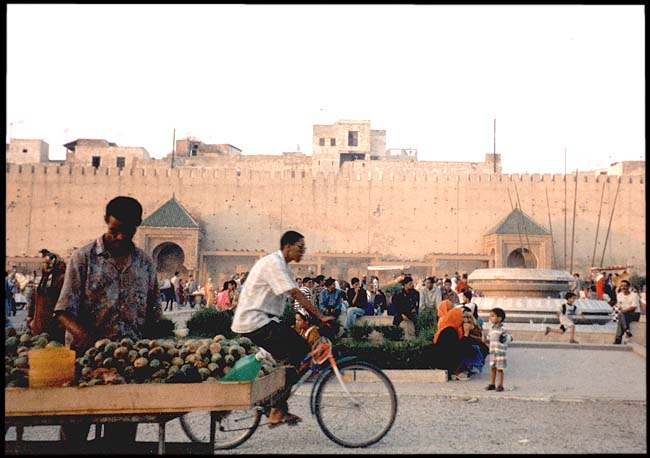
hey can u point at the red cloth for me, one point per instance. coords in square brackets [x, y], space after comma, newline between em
[600, 287]
[452, 319]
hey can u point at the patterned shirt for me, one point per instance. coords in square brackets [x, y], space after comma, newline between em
[107, 300]
[263, 296]
[307, 292]
[499, 333]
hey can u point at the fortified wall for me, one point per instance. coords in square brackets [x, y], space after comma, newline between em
[393, 211]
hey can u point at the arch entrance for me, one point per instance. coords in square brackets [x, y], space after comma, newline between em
[169, 258]
[522, 258]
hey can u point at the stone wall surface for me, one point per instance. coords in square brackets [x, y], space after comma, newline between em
[396, 211]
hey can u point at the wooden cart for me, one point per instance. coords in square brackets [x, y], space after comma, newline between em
[141, 403]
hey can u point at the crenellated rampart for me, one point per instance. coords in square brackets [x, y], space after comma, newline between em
[396, 210]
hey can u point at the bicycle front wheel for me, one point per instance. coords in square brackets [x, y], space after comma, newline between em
[365, 413]
[230, 428]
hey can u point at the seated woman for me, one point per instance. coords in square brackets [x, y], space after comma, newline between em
[474, 338]
[452, 343]
[305, 327]
[223, 298]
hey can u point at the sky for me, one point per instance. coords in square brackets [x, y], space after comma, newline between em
[555, 78]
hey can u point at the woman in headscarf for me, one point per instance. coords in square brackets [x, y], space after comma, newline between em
[41, 308]
[444, 307]
[451, 341]
[305, 326]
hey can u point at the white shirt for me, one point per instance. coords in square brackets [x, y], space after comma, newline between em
[628, 301]
[174, 281]
[264, 293]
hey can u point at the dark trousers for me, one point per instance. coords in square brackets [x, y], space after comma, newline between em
[283, 343]
[624, 321]
[119, 434]
[449, 351]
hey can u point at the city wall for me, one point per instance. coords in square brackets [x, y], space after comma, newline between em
[396, 213]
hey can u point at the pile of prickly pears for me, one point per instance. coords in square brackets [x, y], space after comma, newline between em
[16, 348]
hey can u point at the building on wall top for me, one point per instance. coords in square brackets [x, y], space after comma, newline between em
[26, 151]
[99, 152]
[191, 147]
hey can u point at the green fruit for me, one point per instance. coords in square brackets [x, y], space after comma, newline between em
[21, 362]
[162, 373]
[172, 370]
[200, 364]
[204, 372]
[157, 352]
[192, 359]
[144, 352]
[94, 381]
[17, 372]
[140, 362]
[110, 347]
[215, 347]
[202, 350]
[168, 345]
[183, 353]
[218, 338]
[118, 381]
[85, 372]
[98, 359]
[92, 351]
[85, 361]
[126, 342]
[11, 342]
[184, 368]
[108, 362]
[178, 361]
[101, 343]
[120, 353]
[25, 338]
[216, 357]
[171, 353]
[245, 341]
[128, 371]
[143, 343]
[153, 344]
[54, 344]
[229, 360]
[154, 364]
[10, 331]
[213, 367]
[132, 356]
[211, 379]
[120, 363]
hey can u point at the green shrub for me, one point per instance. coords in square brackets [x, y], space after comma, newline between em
[637, 281]
[289, 315]
[390, 332]
[389, 355]
[391, 289]
[359, 332]
[426, 322]
[209, 323]
[160, 330]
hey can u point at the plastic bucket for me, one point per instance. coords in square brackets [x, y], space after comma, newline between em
[51, 366]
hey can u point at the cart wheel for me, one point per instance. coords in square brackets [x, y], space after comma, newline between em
[231, 428]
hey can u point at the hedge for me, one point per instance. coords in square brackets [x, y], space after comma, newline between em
[163, 329]
[209, 323]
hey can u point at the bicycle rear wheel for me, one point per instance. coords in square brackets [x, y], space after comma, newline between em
[231, 428]
[363, 417]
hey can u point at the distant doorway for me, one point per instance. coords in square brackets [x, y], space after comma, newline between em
[522, 258]
[169, 258]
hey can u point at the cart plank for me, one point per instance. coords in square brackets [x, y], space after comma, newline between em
[141, 398]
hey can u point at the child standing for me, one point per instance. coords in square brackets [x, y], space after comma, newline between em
[498, 338]
[565, 313]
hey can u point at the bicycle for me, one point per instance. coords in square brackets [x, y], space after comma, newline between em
[346, 391]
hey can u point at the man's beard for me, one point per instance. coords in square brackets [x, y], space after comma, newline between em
[122, 249]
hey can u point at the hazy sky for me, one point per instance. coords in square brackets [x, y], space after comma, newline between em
[260, 76]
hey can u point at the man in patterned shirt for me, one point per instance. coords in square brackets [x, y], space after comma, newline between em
[110, 291]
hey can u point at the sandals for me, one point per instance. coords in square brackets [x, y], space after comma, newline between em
[289, 419]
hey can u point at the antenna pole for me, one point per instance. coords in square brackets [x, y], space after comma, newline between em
[600, 207]
[494, 151]
[548, 208]
[573, 227]
[173, 147]
[565, 208]
[611, 216]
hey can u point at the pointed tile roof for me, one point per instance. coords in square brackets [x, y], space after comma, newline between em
[511, 224]
[170, 214]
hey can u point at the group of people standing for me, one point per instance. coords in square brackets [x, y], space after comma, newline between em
[176, 290]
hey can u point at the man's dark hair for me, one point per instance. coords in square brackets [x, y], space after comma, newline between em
[290, 238]
[499, 312]
[431, 279]
[447, 280]
[406, 280]
[126, 209]
[467, 293]
[626, 282]
[175, 273]
[305, 280]
[354, 281]
[44, 251]
[329, 281]
[319, 278]
[569, 295]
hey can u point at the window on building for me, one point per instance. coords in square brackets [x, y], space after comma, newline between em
[332, 141]
[194, 149]
[120, 162]
[321, 142]
[353, 138]
[96, 161]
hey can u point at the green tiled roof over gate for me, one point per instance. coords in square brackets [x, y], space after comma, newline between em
[170, 214]
[511, 224]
